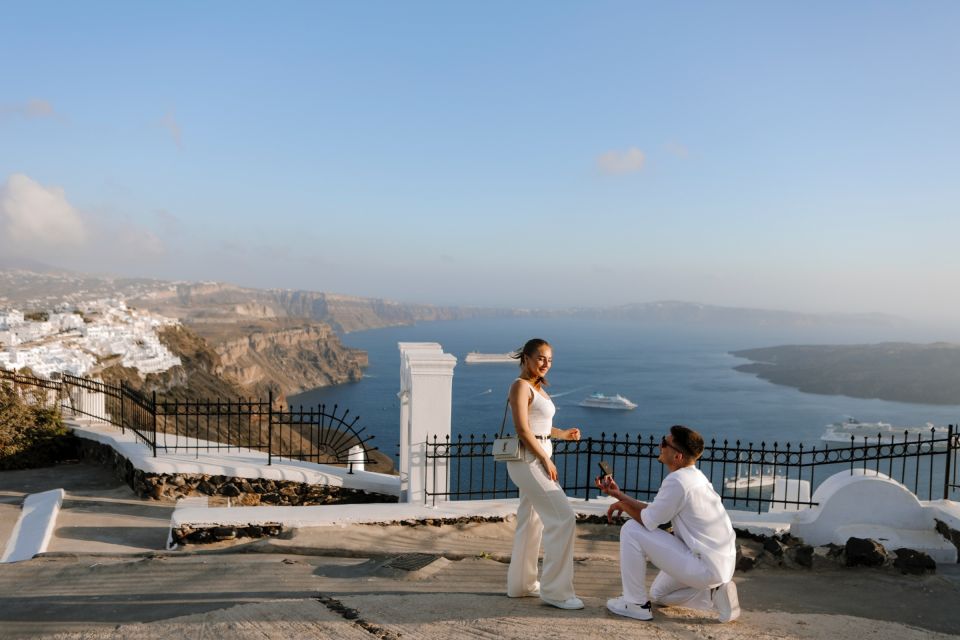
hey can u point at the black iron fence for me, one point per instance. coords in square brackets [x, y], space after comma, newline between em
[747, 476]
[315, 434]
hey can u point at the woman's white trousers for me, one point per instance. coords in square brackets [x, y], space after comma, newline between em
[544, 513]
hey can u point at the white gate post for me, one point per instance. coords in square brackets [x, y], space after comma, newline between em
[426, 399]
[93, 405]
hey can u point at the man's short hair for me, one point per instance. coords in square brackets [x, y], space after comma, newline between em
[688, 441]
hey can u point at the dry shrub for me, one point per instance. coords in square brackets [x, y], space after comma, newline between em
[32, 433]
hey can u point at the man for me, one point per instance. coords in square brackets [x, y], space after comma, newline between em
[696, 563]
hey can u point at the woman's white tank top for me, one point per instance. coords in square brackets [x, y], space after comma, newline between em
[540, 413]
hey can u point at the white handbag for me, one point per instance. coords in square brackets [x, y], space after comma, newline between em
[507, 448]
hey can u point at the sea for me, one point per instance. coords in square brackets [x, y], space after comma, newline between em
[675, 374]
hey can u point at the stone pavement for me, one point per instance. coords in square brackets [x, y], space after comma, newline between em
[99, 513]
[283, 596]
[360, 581]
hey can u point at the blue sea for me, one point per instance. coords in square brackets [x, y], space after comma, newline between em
[675, 375]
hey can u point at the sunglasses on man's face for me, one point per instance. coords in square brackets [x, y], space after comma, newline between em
[664, 443]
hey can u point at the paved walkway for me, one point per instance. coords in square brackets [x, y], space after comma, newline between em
[115, 582]
[100, 514]
[285, 595]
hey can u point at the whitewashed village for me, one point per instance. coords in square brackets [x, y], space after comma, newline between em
[73, 340]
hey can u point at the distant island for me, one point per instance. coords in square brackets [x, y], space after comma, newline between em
[896, 371]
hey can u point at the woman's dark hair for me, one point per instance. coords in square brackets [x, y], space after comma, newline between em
[688, 441]
[529, 350]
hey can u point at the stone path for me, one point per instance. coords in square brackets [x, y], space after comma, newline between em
[344, 582]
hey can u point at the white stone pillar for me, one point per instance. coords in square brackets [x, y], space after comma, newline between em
[355, 458]
[93, 405]
[426, 400]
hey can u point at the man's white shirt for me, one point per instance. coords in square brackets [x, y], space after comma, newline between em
[687, 499]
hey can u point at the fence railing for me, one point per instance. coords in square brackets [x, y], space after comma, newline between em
[315, 434]
[747, 476]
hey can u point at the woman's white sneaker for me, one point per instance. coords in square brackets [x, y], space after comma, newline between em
[621, 607]
[569, 603]
[533, 593]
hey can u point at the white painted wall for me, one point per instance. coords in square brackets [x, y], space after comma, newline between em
[790, 489]
[426, 400]
[867, 504]
[33, 530]
[89, 404]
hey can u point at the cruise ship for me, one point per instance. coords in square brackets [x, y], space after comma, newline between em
[488, 358]
[851, 428]
[600, 401]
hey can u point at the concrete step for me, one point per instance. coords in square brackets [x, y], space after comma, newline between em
[34, 528]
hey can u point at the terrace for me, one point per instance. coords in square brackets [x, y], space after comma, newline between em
[768, 488]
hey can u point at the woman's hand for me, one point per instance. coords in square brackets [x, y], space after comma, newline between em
[550, 468]
[565, 434]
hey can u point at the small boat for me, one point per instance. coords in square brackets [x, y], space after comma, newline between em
[853, 431]
[600, 401]
[752, 475]
[756, 481]
[488, 358]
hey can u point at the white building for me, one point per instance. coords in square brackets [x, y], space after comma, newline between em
[66, 321]
[9, 319]
[65, 343]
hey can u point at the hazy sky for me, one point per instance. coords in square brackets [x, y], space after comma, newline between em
[799, 155]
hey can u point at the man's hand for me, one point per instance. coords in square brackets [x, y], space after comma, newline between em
[615, 511]
[624, 504]
[608, 485]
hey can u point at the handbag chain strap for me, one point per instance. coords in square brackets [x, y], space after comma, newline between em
[504, 422]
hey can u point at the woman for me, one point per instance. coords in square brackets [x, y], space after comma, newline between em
[544, 511]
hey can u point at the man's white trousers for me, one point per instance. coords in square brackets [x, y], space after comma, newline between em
[684, 579]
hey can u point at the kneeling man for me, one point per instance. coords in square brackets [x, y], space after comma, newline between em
[696, 563]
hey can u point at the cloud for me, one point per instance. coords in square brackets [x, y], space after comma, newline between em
[138, 243]
[616, 162]
[33, 216]
[169, 122]
[31, 109]
[676, 149]
[118, 238]
[38, 222]
[168, 223]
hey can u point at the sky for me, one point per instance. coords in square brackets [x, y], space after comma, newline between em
[787, 155]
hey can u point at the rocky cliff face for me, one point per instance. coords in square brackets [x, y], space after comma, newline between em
[200, 376]
[249, 360]
[289, 360]
[282, 341]
[350, 313]
[215, 303]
